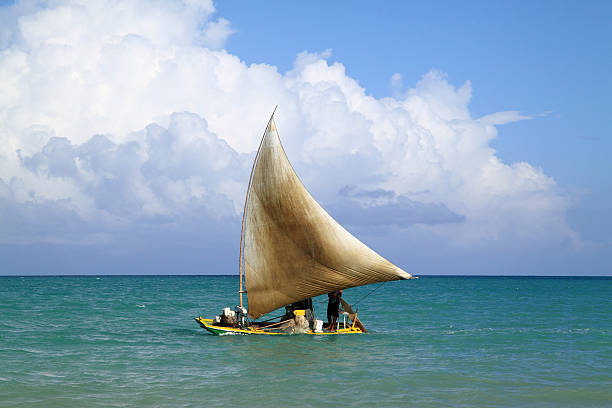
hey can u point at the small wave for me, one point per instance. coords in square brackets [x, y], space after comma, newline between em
[51, 375]
[233, 334]
[141, 305]
[33, 351]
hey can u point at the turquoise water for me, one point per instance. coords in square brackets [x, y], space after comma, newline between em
[437, 341]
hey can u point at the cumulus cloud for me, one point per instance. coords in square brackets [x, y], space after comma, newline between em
[217, 32]
[380, 208]
[163, 174]
[130, 114]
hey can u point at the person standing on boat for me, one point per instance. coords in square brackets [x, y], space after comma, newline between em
[332, 309]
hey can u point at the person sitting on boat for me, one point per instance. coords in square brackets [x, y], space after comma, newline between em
[305, 304]
[332, 309]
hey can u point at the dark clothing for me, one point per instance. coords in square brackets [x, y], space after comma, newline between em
[305, 304]
[333, 305]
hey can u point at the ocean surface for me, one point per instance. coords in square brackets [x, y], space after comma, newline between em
[131, 341]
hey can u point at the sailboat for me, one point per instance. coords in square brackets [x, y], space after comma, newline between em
[291, 250]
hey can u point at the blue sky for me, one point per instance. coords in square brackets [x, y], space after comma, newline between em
[548, 58]
[130, 129]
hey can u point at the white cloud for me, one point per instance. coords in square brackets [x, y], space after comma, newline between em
[501, 118]
[217, 32]
[89, 127]
[396, 84]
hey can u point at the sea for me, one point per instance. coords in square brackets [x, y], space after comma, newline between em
[439, 341]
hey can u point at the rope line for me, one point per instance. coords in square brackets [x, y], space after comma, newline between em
[368, 294]
[267, 320]
[363, 297]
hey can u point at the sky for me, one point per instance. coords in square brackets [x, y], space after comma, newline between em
[452, 138]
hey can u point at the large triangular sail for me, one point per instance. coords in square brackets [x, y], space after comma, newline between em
[293, 249]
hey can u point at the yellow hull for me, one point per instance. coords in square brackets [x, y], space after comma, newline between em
[221, 330]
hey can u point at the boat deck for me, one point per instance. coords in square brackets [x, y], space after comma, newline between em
[261, 330]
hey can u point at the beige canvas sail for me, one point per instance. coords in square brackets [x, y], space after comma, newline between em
[293, 249]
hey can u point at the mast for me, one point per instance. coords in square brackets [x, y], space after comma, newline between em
[241, 259]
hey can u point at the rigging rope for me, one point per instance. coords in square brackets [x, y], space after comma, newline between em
[363, 297]
[267, 320]
[368, 294]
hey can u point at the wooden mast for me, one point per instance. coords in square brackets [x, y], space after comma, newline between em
[241, 291]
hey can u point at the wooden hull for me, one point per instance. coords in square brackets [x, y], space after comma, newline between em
[222, 330]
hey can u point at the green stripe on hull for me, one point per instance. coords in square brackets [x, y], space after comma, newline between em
[213, 331]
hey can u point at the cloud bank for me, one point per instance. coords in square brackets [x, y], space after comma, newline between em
[124, 120]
